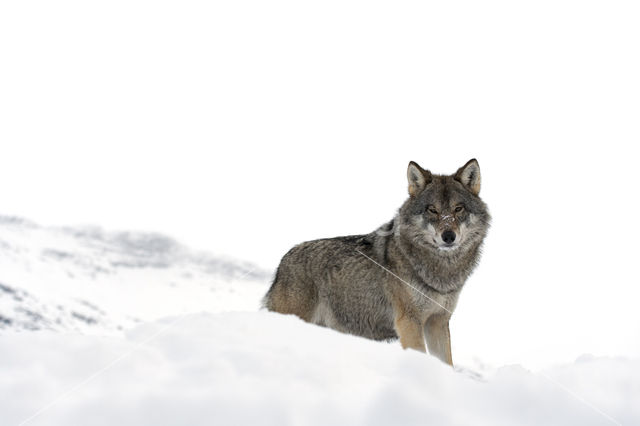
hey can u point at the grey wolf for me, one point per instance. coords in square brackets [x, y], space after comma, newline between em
[400, 281]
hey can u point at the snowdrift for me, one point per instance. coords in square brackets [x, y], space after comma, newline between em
[129, 328]
[269, 369]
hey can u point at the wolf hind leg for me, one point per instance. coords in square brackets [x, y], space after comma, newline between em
[292, 298]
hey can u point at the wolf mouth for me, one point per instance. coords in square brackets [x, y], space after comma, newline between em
[443, 247]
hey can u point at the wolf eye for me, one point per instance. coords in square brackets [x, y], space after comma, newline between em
[459, 209]
[432, 209]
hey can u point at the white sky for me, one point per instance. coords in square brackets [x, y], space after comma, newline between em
[244, 127]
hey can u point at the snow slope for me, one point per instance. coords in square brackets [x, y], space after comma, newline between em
[103, 328]
[262, 368]
[90, 280]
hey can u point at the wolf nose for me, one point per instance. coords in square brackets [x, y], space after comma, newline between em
[448, 237]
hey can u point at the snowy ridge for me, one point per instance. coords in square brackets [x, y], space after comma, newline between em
[93, 281]
[136, 349]
[248, 368]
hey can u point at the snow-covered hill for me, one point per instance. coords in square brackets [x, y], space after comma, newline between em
[259, 368]
[90, 280]
[116, 335]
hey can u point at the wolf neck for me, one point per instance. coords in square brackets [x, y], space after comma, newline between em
[443, 273]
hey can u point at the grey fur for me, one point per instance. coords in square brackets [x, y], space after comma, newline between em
[331, 282]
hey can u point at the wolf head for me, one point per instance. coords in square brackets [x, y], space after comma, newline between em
[444, 214]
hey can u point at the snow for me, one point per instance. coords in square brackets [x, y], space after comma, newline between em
[250, 126]
[264, 368]
[203, 352]
[102, 282]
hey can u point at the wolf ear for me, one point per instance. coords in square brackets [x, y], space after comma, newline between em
[418, 178]
[469, 176]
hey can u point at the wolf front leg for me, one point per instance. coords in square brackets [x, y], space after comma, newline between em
[436, 331]
[409, 332]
